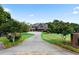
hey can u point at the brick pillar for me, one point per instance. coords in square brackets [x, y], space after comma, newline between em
[75, 39]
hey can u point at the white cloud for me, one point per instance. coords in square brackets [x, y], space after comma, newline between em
[76, 10]
[31, 15]
[7, 9]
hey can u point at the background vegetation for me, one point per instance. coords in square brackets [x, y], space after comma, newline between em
[59, 33]
[10, 25]
[63, 28]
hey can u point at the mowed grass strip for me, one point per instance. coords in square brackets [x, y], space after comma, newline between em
[8, 44]
[57, 39]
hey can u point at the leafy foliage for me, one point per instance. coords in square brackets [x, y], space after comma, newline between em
[61, 27]
[10, 25]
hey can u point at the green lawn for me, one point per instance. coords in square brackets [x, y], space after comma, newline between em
[54, 38]
[8, 44]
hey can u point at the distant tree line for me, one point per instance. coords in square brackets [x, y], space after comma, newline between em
[10, 25]
[61, 27]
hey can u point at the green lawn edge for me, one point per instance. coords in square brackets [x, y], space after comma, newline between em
[68, 47]
[8, 44]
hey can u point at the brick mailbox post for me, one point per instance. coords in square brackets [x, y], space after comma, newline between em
[75, 40]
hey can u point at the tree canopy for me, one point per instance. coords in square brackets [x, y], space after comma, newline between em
[8, 24]
[62, 27]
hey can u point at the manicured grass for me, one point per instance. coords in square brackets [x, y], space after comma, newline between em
[8, 44]
[54, 38]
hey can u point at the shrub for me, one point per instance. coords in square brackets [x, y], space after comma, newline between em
[13, 36]
[10, 37]
[17, 36]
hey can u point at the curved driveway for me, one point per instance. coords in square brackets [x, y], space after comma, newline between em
[35, 46]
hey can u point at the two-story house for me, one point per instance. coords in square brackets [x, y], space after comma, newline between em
[39, 27]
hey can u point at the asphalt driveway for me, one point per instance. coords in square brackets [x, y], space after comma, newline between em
[36, 46]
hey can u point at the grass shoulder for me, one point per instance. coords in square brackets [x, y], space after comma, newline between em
[54, 38]
[8, 44]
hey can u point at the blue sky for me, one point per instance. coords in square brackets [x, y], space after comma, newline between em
[36, 13]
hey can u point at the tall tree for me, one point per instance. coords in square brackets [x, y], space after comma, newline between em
[61, 27]
[8, 24]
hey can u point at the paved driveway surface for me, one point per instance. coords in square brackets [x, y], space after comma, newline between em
[35, 46]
